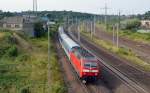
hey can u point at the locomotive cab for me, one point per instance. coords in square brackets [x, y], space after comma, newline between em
[90, 70]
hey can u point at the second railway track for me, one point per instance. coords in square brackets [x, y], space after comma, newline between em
[130, 81]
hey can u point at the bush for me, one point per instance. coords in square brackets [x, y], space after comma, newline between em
[133, 24]
[12, 51]
[39, 30]
[123, 51]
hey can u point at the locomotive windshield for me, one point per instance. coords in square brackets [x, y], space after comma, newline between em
[90, 65]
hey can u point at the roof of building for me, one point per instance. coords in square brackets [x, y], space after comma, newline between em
[13, 20]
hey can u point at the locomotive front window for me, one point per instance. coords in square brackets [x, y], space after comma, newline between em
[93, 65]
[87, 65]
[90, 65]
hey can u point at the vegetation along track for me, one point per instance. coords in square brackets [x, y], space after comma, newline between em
[140, 48]
[136, 75]
[75, 85]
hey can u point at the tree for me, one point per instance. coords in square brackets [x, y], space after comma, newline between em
[39, 30]
[147, 15]
[133, 23]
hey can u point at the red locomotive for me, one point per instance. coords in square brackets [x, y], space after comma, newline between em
[84, 63]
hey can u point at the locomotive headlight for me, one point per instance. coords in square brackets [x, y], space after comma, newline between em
[96, 71]
[86, 70]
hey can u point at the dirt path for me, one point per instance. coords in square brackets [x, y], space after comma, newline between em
[23, 43]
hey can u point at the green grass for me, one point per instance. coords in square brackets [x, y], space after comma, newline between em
[122, 52]
[57, 82]
[58, 85]
[133, 35]
[26, 72]
[136, 36]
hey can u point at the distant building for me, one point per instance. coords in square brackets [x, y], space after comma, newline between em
[19, 23]
[145, 24]
[24, 23]
[28, 25]
[12, 23]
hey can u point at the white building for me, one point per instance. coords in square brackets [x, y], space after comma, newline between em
[145, 24]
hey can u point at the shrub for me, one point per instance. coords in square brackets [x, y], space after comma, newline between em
[123, 51]
[39, 30]
[133, 23]
[12, 51]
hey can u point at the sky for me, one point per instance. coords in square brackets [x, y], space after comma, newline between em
[126, 7]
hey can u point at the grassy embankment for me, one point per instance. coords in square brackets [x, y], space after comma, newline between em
[25, 71]
[122, 52]
[133, 35]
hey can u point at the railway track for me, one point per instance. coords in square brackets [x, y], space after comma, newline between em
[126, 77]
[75, 85]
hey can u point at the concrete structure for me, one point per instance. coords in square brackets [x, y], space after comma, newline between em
[12, 23]
[28, 25]
[145, 24]
[23, 23]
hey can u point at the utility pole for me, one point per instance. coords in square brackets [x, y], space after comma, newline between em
[78, 30]
[94, 25]
[91, 29]
[87, 26]
[113, 34]
[76, 20]
[48, 43]
[76, 23]
[117, 35]
[35, 6]
[68, 22]
[119, 18]
[106, 15]
[49, 66]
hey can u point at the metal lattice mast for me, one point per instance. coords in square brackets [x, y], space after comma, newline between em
[106, 10]
[35, 6]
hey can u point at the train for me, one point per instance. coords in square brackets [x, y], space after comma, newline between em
[84, 63]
